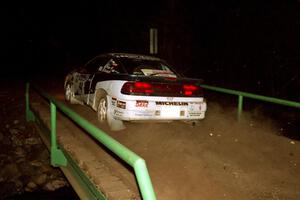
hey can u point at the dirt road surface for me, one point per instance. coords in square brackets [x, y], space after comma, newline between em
[218, 158]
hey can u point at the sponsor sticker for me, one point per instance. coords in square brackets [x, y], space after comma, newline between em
[141, 103]
[118, 113]
[169, 103]
[143, 113]
[121, 104]
[113, 102]
[196, 114]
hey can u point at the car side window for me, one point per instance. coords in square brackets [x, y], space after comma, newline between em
[94, 65]
[112, 66]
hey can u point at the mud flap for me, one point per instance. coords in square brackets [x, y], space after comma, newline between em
[114, 124]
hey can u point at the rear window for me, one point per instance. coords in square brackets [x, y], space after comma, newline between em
[147, 67]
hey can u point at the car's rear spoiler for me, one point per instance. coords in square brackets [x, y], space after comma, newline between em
[165, 79]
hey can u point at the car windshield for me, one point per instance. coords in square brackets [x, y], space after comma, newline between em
[145, 67]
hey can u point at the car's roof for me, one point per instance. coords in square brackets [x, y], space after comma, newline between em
[133, 56]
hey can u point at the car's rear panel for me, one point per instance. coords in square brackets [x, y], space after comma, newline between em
[160, 104]
[158, 108]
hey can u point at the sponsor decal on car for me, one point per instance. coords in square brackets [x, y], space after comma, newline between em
[140, 103]
[113, 101]
[143, 113]
[121, 104]
[194, 114]
[169, 103]
[118, 113]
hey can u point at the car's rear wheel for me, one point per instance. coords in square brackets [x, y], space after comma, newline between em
[102, 110]
[105, 117]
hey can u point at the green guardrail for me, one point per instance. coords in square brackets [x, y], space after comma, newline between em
[58, 158]
[78, 177]
[241, 96]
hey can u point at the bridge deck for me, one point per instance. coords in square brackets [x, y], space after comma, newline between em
[80, 147]
[217, 159]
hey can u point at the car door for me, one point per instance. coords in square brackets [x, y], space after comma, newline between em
[80, 77]
[92, 68]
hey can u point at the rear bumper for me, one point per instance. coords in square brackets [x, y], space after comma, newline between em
[158, 108]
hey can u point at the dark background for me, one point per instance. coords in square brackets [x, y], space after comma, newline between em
[247, 45]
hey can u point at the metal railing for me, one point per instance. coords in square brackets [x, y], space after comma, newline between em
[241, 96]
[58, 158]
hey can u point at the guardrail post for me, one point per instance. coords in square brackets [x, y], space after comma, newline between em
[29, 114]
[144, 180]
[240, 107]
[57, 156]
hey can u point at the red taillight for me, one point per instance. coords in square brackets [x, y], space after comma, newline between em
[161, 89]
[190, 90]
[188, 93]
[142, 85]
[190, 87]
[137, 88]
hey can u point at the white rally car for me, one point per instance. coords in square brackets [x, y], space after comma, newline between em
[130, 87]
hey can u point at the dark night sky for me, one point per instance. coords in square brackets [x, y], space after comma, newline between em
[255, 43]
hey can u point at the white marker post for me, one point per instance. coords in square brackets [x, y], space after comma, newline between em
[153, 41]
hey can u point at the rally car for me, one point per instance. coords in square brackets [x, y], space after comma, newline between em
[131, 87]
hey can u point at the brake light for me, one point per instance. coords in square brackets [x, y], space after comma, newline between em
[137, 88]
[190, 90]
[161, 89]
[142, 85]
